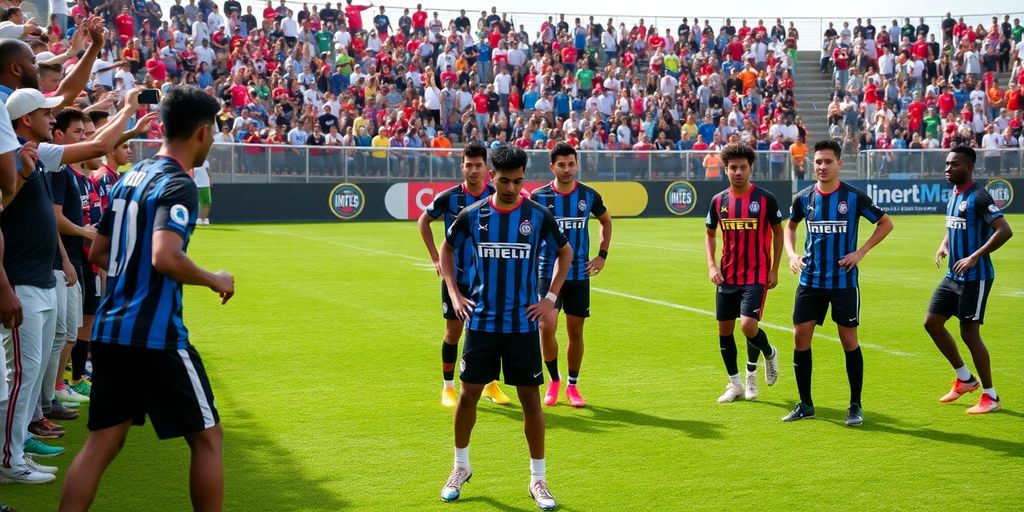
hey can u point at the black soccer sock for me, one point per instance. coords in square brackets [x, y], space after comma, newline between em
[855, 372]
[553, 369]
[802, 365]
[728, 346]
[449, 353]
[755, 347]
[574, 376]
[79, 355]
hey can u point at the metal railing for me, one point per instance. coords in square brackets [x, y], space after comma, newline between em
[275, 163]
[930, 163]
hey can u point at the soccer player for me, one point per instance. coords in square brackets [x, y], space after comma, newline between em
[504, 235]
[143, 362]
[975, 228]
[828, 271]
[572, 203]
[448, 204]
[751, 250]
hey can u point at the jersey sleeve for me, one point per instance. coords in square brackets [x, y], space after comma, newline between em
[866, 208]
[796, 210]
[50, 156]
[774, 214]
[598, 208]
[711, 220]
[458, 231]
[177, 206]
[58, 186]
[550, 234]
[985, 207]
[439, 206]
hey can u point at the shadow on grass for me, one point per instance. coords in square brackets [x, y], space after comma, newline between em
[876, 422]
[478, 502]
[598, 419]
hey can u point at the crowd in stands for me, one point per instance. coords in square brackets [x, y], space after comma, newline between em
[918, 87]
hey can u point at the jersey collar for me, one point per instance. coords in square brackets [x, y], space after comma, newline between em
[494, 204]
[554, 186]
[965, 188]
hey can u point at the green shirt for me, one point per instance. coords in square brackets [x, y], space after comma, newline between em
[345, 61]
[586, 78]
[672, 63]
[323, 40]
[263, 91]
[1017, 32]
[931, 126]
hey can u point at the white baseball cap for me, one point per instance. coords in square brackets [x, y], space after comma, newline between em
[25, 101]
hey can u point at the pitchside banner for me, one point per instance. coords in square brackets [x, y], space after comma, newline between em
[298, 202]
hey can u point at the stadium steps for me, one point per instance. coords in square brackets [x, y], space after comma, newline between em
[812, 91]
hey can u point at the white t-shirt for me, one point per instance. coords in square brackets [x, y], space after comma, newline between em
[8, 139]
[205, 54]
[289, 27]
[104, 78]
[58, 7]
[50, 155]
[502, 82]
[342, 38]
[201, 175]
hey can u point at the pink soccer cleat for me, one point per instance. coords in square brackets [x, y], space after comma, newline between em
[575, 399]
[551, 396]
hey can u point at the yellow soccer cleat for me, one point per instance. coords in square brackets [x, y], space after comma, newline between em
[493, 393]
[449, 398]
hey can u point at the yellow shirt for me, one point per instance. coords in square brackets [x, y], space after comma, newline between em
[380, 141]
[357, 122]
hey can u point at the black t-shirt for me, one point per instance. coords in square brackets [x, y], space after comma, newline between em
[30, 233]
[71, 194]
[327, 121]
[250, 21]
[328, 15]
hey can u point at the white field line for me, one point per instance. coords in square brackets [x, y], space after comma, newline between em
[601, 290]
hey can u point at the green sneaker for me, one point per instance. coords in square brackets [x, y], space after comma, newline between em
[82, 388]
[37, 448]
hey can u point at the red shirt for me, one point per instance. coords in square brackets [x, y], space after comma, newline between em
[494, 38]
[269, 13]
[736, 50]
[157, 68]
[919, 50]
[419, 19]
[480, 103]
[946, 102]
[746, 222]
[656, 41]
[569, 55]
[915, 113]
[239, 95]
[871, 93]
[125, 26]
[354, 16]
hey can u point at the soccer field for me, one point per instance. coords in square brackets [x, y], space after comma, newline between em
[326, 369]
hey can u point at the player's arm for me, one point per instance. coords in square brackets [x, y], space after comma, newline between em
[73, 84]
[11, 313]
[597, 264]
[141, 127]
[710, 246]
[796, 214]
[999, 237]
[882, 229]
[943, 250]
[423, 223]
[454, 239]
[169, 259]
[773, 274]
[106, 138]
[70, 276]
[553, 237]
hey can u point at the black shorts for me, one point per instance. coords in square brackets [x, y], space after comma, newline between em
[170, 386]
[447, 310]
[90, 289]
[732, 301]
[573, 298]
[812, 304]
[965, 300]
[486, 355]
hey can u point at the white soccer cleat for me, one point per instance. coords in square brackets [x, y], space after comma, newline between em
[732, 392]
[542, 496]
[452, 489]
[41, 468]
[24, 475]
[751, 392]
[771, 368]
[68, 395]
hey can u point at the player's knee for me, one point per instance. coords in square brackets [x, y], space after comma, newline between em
[933, 323]
[749, 327]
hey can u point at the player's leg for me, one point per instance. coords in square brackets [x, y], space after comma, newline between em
[846, 314]
[548, 325]
[809, 309]
[751, 309]
[520, 356]
[577, 310]
[481, 364]
[727, 310]
[972, 315]
[206, 473]
[83, 476]
[944, 304]
[449, 349]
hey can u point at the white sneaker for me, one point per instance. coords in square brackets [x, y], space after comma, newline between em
[24, 475]
[771, 368]
[41, 468]
[453, 487]
[732, 392]
[751, 392]
[69, 395]
[206, 222]
[542, 496]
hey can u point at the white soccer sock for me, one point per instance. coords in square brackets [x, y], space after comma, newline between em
[538, 470]
[449, 384]
[991, 392]
[735, 379]
[462, 457]
[963, 373]
[749, 373]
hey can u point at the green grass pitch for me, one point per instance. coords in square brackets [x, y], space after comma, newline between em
[327, 376]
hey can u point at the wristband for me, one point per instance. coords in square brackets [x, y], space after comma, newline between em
[602, 254]
[552, 297]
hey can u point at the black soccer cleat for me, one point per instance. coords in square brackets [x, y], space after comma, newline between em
[800, 412]
[855, 416]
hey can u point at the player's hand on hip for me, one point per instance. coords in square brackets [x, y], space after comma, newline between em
[773, 279]
[961, 267]
[224, 285]
[437, 266]
[539, 309]
[850, 261]
[463, 306]
[796, 263]
[940, 255]
[10, 308]
[595, 266]
[715, 274]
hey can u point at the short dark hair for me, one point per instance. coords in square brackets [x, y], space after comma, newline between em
[508, 158]
[736, 151]
[474, 149]
[829, 145]
[50, 68]
[98, 115]
[184, 110]
[562, 149]
[967, 152]
[8, 13]
[66, 116]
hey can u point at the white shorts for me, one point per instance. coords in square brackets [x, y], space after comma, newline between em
[69, 308]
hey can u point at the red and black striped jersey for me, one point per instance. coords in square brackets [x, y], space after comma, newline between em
[746, 222]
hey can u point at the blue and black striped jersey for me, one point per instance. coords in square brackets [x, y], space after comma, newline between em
[504, 246]
[449, 203]
[969, 216]
[142, 307]
[832, 221]
[571, 211]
